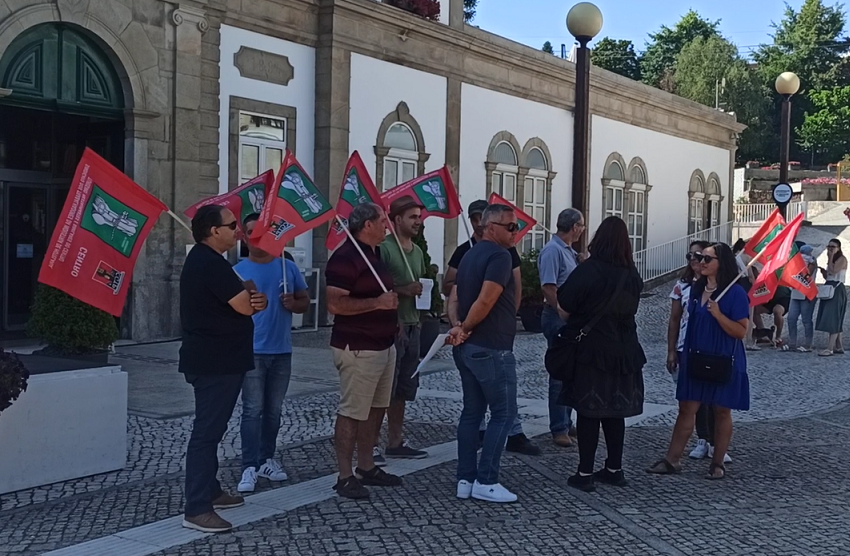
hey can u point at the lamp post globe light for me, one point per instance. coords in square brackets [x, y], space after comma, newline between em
[787, 85]
[584, 21]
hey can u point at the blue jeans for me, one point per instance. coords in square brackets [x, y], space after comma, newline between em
[489, 379]
[805, 309]
[263, 392]
[560, 416]
[215, 398]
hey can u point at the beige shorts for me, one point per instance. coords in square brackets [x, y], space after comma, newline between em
[365, 380]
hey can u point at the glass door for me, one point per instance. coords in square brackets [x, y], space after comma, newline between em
[26, 237]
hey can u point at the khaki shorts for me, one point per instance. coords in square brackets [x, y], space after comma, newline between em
[365, 380]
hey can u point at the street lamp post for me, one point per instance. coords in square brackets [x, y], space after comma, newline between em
[584, 21]
[787, 85]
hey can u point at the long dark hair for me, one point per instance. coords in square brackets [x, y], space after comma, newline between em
[727, 272]
[838, 252]
[688, 275]
[739, 246]
[611, 243]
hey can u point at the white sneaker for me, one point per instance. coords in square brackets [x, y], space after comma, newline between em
[492, 493]
[726, 458]
[249, 480]
[464, 489]
[272, 471]
[700, 451]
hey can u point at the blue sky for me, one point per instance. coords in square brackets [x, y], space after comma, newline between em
[747, 23]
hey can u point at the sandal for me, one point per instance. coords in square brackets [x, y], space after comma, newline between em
[802, 349]
[663, 467]
[711, 472]
[826, 353]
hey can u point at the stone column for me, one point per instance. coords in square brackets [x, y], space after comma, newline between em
[333, 85]
[453, 104]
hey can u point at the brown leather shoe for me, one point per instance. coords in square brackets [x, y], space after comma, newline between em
[226, 501]
[209, 522]
[563, 440]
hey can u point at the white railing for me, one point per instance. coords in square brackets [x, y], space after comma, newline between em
[659, 260]
[756, 213]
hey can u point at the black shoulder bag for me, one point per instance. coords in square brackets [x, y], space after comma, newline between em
[707, 367]
[560, 359]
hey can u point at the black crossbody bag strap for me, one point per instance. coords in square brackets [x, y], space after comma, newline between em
[585, 330]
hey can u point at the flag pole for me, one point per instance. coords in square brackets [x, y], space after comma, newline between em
[466, 225]
[401, 250]
[283, 265]
[179, 220]
[362, 254]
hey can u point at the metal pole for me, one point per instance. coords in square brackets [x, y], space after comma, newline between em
[784, 146]
[581, 133]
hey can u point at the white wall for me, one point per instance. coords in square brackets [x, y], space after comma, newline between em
[485, 113]
[377, 88]
[300, 93]
[670, 161]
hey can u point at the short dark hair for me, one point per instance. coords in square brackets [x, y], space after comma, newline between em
[838, 252]
[205, 220]
[567, 220]
[250, 218]
[611, 243]
[739, 245]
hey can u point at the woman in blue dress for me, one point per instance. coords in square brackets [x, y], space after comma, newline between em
[715, 328]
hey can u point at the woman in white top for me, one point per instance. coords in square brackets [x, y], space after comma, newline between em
[831, 313]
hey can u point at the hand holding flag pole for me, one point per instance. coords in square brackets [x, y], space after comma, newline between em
[742, 273]
[362, 254]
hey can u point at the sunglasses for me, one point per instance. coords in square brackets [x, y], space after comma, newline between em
[705, 259]
[692, 257]
[233, 225]
[510, 227]
[832, 247]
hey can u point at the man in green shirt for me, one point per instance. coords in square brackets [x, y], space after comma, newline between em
[405, 216]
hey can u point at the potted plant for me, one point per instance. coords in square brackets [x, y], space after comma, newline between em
[531, 303]
[431, 318]
[13, 379]
[72, 329]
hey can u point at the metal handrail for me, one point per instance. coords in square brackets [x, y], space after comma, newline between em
[665, 258]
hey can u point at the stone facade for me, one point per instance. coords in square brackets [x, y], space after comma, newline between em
[168, 57]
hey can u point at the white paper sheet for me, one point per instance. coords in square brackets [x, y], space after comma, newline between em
[439, 342]
[423, 302]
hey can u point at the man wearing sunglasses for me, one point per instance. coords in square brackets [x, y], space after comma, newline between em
[517, 441]
[483, 306]
[216, 353]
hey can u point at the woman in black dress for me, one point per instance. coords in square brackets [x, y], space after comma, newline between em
[607, 384]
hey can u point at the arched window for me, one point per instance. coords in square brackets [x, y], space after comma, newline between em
[613, 186]
[399, 149]
[614, 171]
[637, 192]
[537, 191]
[713, 201]
[696, 204]
[503, 179]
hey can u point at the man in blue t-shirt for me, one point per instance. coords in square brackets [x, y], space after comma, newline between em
[482, 307]
[265, 387]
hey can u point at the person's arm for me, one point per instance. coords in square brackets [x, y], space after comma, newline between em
[413, 289]
[224, 283]
[340, 302]
[490, 292]
[449, 280]
[550, 294]
[517, 287]
[298, 302]
[451, 307]
[248, 303]
[456, 335]
[736, 324]
[673, 334]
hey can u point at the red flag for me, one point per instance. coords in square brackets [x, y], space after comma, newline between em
[357, 188]
[434, 191]
[294, 206]
[776, 255]
[525, 221]
[769, 228]
[104, 223]
[246, 199]
[796, 275]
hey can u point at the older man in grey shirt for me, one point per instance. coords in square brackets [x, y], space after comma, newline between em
[555, 262]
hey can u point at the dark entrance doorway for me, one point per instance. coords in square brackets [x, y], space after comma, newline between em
[59, 94]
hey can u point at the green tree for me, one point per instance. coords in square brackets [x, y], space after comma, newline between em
[826, 129]
[618, 56]
[469, 7]
[547, 48]
[659, 59]
[710, 71]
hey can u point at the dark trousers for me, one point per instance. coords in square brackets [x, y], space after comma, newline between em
[215, 398]
[705, 423]
[588, 440]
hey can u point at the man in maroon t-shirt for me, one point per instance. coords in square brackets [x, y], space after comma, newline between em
[362, 341]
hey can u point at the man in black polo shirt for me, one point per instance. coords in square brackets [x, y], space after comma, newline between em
[362, 342]
[517, 441]
[217, 351]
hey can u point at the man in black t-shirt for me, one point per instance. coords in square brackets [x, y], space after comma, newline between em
[517, 441]
[217, 351]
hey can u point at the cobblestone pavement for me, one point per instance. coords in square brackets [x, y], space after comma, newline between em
[785, 494]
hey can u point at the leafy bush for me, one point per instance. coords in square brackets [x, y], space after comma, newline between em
[436, 299]
[68, 325]
[532, 292]
[13, 379]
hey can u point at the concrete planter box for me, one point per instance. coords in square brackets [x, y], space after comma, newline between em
[67, 425]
